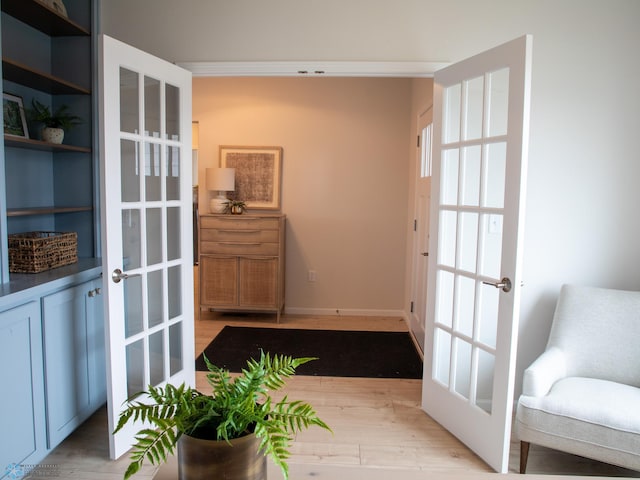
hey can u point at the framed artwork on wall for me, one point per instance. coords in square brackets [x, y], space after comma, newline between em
[15, 122]
[258, 174]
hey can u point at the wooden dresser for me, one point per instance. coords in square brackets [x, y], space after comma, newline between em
[242, 262]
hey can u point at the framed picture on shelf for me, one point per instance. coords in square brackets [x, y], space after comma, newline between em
[258, 174]
[15, 122]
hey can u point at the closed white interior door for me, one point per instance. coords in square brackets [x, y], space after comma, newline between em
[481, 113]
[421, 227]
[147, 255]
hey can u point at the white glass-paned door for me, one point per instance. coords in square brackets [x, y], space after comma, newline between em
[146, 226]
[481, 108]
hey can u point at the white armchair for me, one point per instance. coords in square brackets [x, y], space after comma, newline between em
[582, 395]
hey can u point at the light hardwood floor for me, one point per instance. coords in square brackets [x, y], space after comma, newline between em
[380, 432]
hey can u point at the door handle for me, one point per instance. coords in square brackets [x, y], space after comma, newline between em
[504, 284]
[118, 275]
[425, 254]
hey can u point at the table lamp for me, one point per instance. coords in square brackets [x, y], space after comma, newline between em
[220, 180]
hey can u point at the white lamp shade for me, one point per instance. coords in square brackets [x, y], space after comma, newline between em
[221, 179]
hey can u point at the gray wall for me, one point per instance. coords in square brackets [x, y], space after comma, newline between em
[582, 222]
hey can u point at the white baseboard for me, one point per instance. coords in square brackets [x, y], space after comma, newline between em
[345, 312]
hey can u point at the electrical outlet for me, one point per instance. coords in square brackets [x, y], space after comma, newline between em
[311, 276]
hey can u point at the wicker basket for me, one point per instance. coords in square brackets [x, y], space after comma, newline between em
[34, 252]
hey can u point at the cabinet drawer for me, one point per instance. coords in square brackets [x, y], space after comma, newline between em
[239, 248]
[239, 236]
[239, 222]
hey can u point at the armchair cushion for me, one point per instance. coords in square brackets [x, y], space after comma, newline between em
[584, 416]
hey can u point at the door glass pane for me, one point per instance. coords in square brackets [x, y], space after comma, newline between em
[473, 108]
[131, 251]
[174, 284]
[156, 358]
[154, 298]
[154, 236]
[135, 368]
[470, 176]
[462, 368]
[490, 261]
[451, 112]
[175, 348]
[152, 107]
[129, 95]
[447, 238]
[496, 164]
[173, 233]
[130, 168]
[465, 305]
[449, 177]
[173, 173]
[132, 306]
[486, 368]
[488, 315]
[172, 112]
[498, 102]
[468, 241]
[153, 192]
[425, 151]
[444, 296]
[441, 356]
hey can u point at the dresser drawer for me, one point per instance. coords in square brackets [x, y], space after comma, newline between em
[239, 236]
[239, 222]
[239, 248]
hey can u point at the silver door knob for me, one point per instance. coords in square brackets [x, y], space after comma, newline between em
[504, 284]
[118, 275]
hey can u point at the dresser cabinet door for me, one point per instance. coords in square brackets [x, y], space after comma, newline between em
[218, 280]
[258, 282]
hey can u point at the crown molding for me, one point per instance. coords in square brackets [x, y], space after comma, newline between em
[312, 69]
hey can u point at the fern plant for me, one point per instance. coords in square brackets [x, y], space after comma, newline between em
[237, 407]
[60, 118]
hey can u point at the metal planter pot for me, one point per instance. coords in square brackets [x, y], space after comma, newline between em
[240, 459]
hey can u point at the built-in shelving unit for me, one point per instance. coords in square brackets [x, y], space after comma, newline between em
[24, 212]
[49, 57]
[51, 323]
[30, 77]
[31, 144]
[43, 18]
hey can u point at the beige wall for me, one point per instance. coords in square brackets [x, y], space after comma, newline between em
[345, 174]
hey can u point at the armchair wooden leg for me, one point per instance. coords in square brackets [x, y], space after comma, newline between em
[524, 455]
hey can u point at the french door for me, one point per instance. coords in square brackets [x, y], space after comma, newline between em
[147, 251]
[481, 114]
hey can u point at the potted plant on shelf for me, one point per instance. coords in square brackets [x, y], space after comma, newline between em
[235, 207]
[55, 123]
[228, 433]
